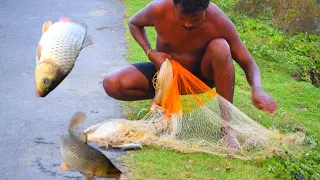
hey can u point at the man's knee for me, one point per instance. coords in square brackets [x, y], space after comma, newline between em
[112, 86]
[220, 52]
[219, 47]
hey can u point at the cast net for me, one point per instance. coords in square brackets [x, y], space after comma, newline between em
[189, 116]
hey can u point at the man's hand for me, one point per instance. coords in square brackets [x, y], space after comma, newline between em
[263, 101]
[157, 58]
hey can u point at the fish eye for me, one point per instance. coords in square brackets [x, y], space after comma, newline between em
[47, 81]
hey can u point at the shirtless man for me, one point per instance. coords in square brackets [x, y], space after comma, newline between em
[198, 35]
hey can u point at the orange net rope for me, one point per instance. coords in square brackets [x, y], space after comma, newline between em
[185, 83]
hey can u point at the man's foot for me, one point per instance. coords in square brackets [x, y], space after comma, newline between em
[230, 140]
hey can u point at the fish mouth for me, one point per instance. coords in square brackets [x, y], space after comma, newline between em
[40, 93]
[118, 175]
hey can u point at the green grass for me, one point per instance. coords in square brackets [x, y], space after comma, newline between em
[156, 163]
[278, 55]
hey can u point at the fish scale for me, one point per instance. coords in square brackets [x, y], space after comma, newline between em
[84, 157]
[63, 46]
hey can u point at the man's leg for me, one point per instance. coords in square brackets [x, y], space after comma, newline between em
[217, 65]
[129, 83]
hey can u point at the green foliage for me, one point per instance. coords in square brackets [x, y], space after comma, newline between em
[253, 7]
[299, 53]
[290, 15]
[294, 16]
[224, 4]
[306, 165]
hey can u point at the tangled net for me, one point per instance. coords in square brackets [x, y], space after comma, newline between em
[189, 116]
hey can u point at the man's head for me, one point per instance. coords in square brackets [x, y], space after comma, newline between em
[190, 12]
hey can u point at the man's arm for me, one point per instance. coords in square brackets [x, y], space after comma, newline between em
[242, 56]
[240, 53]
[138, 22]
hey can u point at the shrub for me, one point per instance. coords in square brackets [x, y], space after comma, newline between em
[253, 7]
[299, 18]
[290, 15]
[297, 15]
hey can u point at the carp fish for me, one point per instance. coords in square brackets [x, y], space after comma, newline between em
[77, 154]
[57, 51]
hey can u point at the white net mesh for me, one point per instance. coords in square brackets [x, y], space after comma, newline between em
[188, 116]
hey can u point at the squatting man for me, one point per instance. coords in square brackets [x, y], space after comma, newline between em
[202, 38]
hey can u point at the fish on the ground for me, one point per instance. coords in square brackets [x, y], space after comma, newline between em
[130, 146]
[57, 52]
[77, 154]
[107, 129]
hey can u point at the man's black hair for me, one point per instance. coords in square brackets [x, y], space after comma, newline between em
[191, 6]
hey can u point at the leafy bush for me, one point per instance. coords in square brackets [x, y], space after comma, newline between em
[299, 48]
[291, 15]
[304, 166]
[297, 15]
[254, 7]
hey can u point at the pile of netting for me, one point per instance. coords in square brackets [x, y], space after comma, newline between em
[189, 116]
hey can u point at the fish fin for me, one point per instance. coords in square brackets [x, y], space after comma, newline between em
[46, 26]
[85, 177]
[64, 19]
[64, 166]
[88, 40]
[38, 53]
[83, 137]
[76, 119]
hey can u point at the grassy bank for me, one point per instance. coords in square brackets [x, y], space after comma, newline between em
[278, 55]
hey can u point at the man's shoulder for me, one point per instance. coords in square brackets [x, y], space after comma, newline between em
[160, 6]
[215, 13]
[217, 17]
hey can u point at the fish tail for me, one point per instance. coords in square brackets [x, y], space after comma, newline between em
[77, 119]
[84, 177]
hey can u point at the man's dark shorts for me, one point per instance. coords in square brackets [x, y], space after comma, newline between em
[149, 70]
